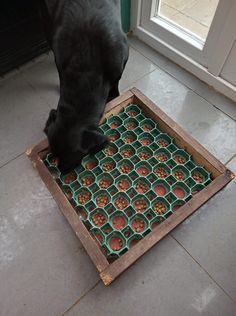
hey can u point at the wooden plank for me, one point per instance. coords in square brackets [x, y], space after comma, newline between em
[117, 105]
[201, 155]
[129, 258]
[67, 209]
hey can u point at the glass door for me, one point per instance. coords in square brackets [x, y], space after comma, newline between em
[193, 17]
[191, 27]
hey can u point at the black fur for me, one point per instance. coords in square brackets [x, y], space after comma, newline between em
[90, 52]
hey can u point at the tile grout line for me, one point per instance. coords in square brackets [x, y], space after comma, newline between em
[231, 159]
[133, 82]
[227, 294]
[6, 163]
[184, 84]
[81, 297]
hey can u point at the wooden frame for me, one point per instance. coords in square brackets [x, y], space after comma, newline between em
[221, 176]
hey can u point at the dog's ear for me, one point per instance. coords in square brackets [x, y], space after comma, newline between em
[93, 141]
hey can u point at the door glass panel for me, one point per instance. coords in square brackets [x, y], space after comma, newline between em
[194, 16]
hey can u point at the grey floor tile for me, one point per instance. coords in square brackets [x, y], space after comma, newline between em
[137, 67]
[43, 267]
[210, 237]
[180, 74]
[22, 117]
[148, 52]
[42, 75]
[232, 165]
[166, 282]
[212, 128]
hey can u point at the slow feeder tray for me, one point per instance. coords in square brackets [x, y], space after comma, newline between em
[126, 198]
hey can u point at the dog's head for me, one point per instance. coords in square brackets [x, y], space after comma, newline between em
[71, 142]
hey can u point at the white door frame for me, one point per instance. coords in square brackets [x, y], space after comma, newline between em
[205, 62]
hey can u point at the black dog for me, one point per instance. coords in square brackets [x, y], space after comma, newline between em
[90, 52]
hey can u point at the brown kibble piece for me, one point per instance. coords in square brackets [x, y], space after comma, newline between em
[147, 128]
[109, 151]
[179, 159]
[159, 207]
[107, 166]
[102, 200]
[179, 175]
[132, 113]
[161, 172]
[162, 143]
[121, 203]
[161, 157]
[198, 177]
[130, 125]
[144, 155]
[70, 178]
[145, 141]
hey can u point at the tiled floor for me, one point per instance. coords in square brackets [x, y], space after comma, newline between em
[43, 267]
[193, 15]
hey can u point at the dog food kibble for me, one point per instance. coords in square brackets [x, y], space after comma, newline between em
[147, 128]
[145, 141]
[55, 161]
[179, 159]
[107, 166]
[159, 207]
[99, 219]
[113, 137]
[128, 139]
[138, 225]
[82, 213]
[161, 173]
[162, 143]
[90, 165]
[84, 197]
[141, 187]
[114, 125]
[131, 125]
[70, 178]
[69, 194]
[140, 205]
[104, 183]
[143, 171]
[116, 243]
[121, 203]
[125, 168]
[132, 113]
[86, 181]
[127, 234]
[109, 151]
[118, 222]
[127, 153]
[161, 157]
[102, 200]
[144, 155]
[198, 177]
[179, 175]
[123, 185]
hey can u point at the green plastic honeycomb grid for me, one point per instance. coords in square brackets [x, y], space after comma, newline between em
[123, 192]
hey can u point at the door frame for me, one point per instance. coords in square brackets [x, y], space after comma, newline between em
[217, 49]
